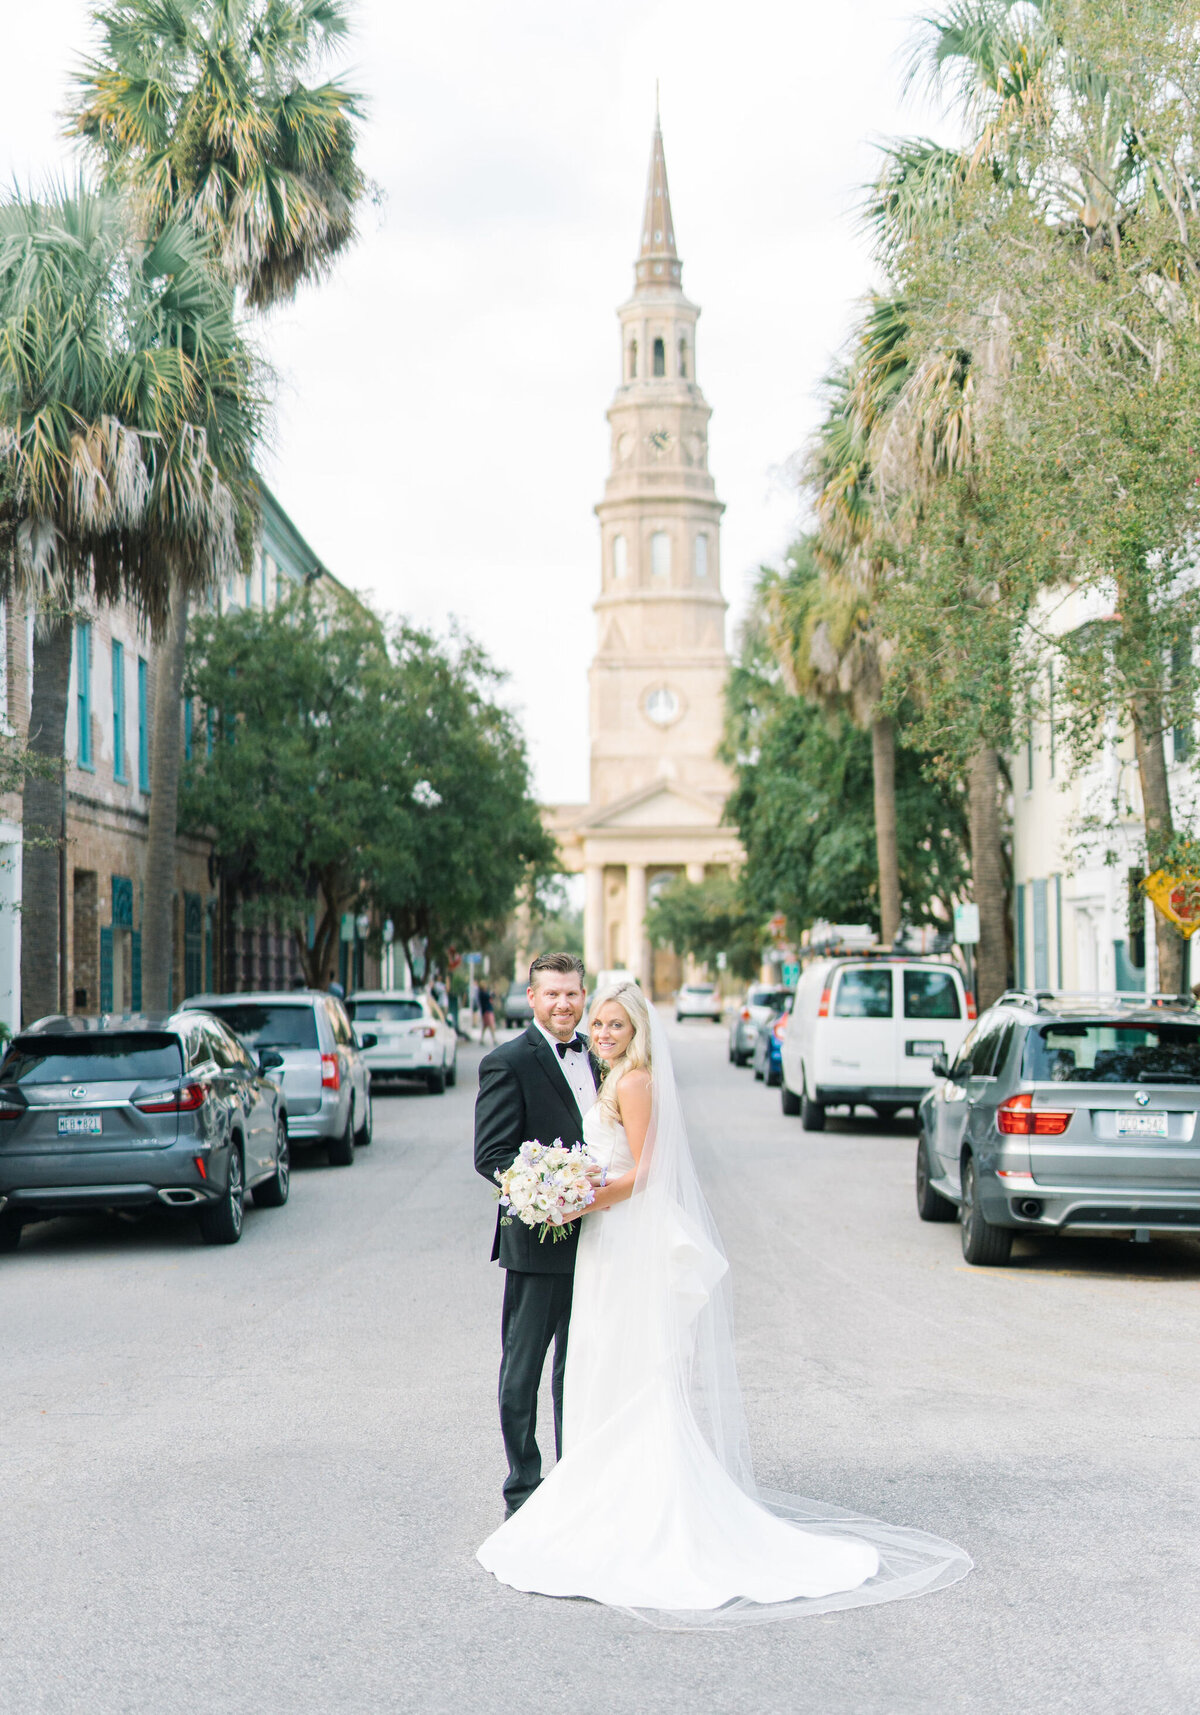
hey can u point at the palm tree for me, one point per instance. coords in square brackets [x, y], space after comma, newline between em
[125, 426]
[1080, 141]
[199, 109]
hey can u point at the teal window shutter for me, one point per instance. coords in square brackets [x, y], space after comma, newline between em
[106, 974]
[135, 970]
[1041, 936]
[1019, 891]
[118, 701]
[83, 690]
[143, 726]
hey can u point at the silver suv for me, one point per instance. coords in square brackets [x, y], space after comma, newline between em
[1065, 1113]
[326, 1084]
[123, 1112]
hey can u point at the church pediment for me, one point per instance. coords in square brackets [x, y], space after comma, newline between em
[662, 805]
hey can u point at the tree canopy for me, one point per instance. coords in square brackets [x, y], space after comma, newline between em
[339, 765]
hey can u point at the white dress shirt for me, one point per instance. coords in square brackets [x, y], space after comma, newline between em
[576, 1068]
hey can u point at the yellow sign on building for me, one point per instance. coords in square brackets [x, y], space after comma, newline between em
[1177, 896]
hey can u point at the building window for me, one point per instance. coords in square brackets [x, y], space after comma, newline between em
[118, 690]
[620, 557]
[701, 555]
[143, 725]
[189, 719]
[683, 367]
[83, 690]
[660, 554]
[633, 360]
[660, 358]
[1182, 734]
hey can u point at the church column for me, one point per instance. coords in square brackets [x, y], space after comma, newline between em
[593, 919]
[695, 873]
[635, 918]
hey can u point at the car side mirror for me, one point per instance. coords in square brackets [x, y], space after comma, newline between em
[270, 1060]
[368, 1039]
[940, 1066]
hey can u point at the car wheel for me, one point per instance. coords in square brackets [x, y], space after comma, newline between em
[886, 1111]
[789, 1101]
[221, 1223]
[983, 1244]
[679, 1018]
[339, 1151]
[437, 1081]
[10, 1233]
[452, 1073]
[758, 1074]
[931, 1205]
[772, 1077]
[273, 1192]
[812, 1114]
[366, 1130]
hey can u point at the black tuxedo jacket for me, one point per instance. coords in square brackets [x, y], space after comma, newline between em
[524, 1094]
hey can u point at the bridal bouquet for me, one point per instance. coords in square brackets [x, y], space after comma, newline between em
[548, 1186]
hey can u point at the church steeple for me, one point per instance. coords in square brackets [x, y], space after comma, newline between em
[658, 261]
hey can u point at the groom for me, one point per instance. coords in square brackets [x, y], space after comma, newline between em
[539, 1086]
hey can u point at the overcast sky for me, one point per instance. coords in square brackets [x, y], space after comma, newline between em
[440, 435]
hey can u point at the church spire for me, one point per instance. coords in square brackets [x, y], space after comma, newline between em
[658, 260]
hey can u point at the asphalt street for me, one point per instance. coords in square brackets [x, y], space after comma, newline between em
[253, 1479]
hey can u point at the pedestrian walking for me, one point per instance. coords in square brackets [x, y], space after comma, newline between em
[487, 1015]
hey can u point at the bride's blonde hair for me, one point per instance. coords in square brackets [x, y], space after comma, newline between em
[632, 1002]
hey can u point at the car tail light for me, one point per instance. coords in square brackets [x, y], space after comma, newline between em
[779, 1028]
[429, 1030]
[1014, 1118]
[746, 1013]
[182, 1101]
[823, 1009]
[970, 1004]
[331, 1072]
[201, 1169]
[10, 1112]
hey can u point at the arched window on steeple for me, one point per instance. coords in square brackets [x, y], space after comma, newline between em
[683, 369]
[660, 357]
[632, 376]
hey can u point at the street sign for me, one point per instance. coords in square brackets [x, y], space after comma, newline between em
[347, 926]
[966, 924]
[472, 958]
[789, 973]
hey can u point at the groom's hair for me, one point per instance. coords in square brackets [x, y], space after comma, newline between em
[560, 963]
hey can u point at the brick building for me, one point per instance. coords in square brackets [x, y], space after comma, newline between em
[106, 807]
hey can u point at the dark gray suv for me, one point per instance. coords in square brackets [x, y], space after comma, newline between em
[121, 1112]
[1065, 1113]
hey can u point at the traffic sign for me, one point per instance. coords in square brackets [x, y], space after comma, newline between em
[966, 924]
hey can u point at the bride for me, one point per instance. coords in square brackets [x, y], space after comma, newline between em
[653, 1506]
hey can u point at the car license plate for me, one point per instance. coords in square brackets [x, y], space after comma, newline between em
[74, 1125]
[925, 1050]
[1141, 1125]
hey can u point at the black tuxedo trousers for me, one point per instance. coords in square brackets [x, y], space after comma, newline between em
[524, 1094]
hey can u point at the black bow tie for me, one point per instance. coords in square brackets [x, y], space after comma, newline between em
[575, 1046]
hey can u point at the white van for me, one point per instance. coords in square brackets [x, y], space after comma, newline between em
[865, 1031]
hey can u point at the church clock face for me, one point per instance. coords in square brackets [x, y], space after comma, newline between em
[658, 440]
[662, 705]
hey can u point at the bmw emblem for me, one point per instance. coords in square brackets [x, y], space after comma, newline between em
[79, 1092]
[1141, 1098]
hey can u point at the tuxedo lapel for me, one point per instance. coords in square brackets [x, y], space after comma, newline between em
[548, 1063]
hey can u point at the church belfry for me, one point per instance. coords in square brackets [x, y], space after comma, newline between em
[658, 674]
[657, 680]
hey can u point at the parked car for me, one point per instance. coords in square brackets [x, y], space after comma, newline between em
[864, 1031]
[413, 1036]
[326, 1084]
[517, 1010]
[1062, 1114]
[125, 1112]
[768, 1047]
[609, 979]
[699, 1000]
[760, 1005]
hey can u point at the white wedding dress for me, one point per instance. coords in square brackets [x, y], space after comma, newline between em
[652, 1507]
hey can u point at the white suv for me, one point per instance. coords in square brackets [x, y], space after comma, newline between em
[699, 1000]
